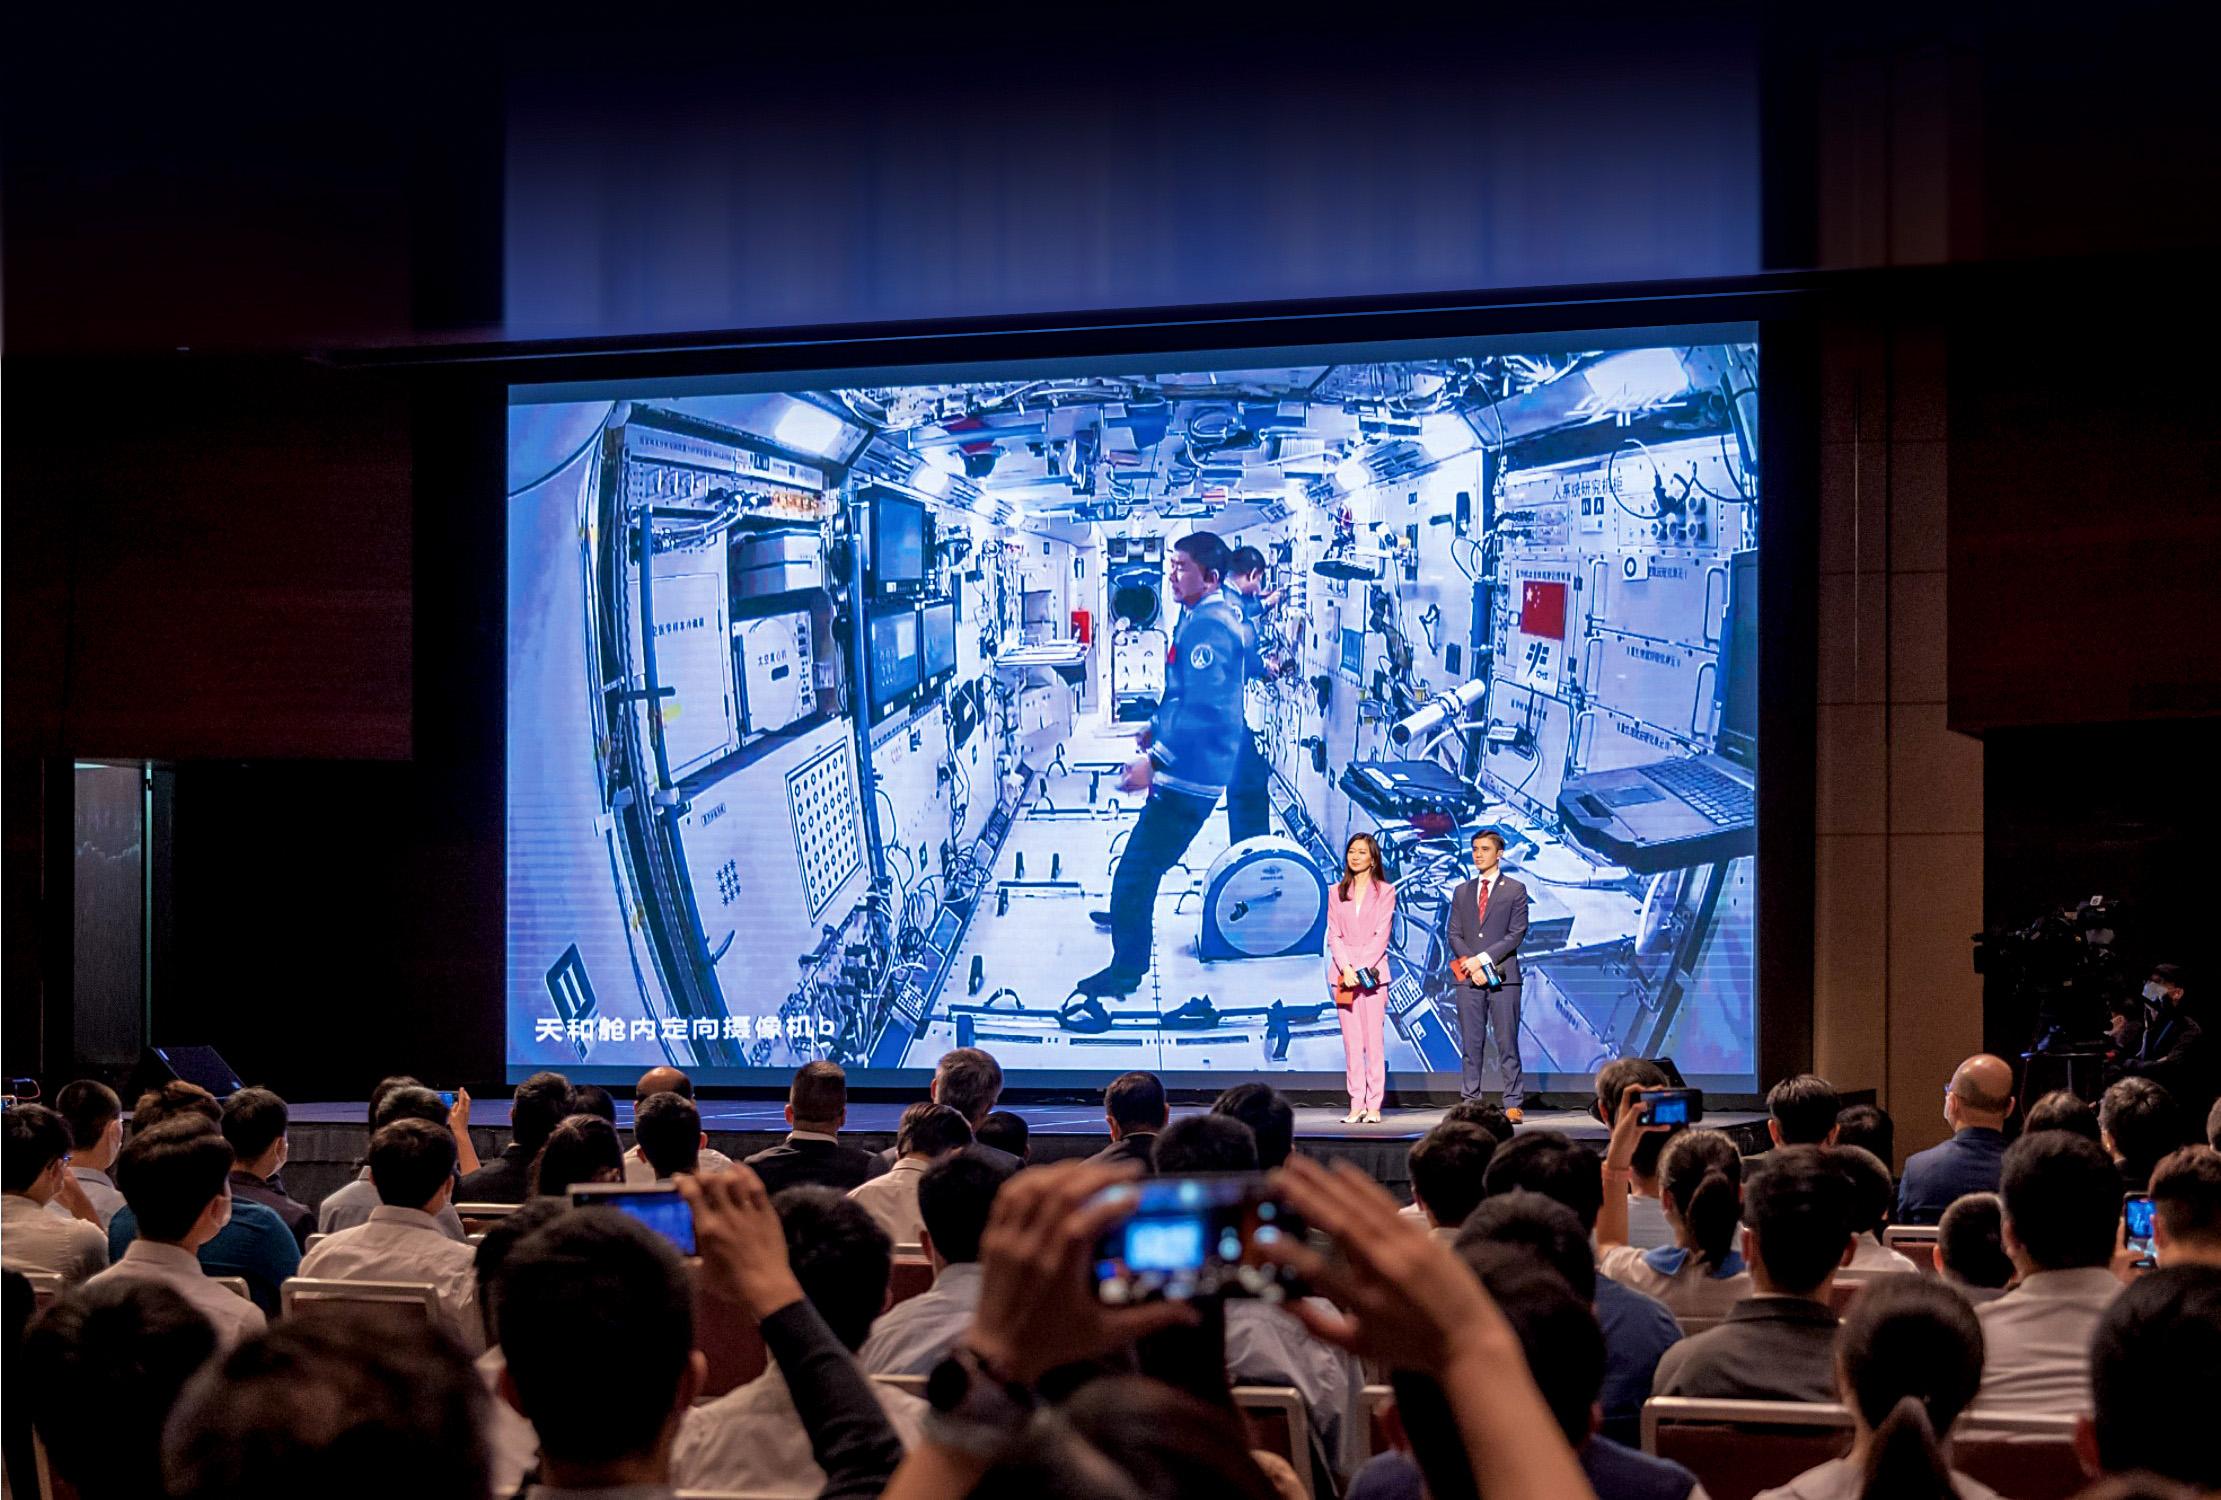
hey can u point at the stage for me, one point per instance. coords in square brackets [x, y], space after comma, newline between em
[328, 1140]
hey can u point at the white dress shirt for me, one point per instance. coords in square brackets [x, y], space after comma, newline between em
[31, 1239]
[2037, 1342]
[180, 1270]
[349, 1207]
[708, 1164]
[1840, 1479]
[751, 1440]
[1265, 1345]
[512, 1445]
[1690, 1288]
[100, 1192]
[892, 1200]
[406, 1244]
[1871, 1256]
[911, 1336]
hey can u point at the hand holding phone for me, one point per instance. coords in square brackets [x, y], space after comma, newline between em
[1665, 1108]
[659, 1207]
[2136, 1230]
[1197, 1236]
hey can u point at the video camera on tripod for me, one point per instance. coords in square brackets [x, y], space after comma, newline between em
[2063, 968]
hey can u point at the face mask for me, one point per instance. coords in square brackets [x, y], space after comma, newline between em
[2155, 992]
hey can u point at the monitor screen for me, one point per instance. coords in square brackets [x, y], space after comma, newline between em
[1505, 575]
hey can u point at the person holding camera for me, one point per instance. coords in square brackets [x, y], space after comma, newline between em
[1360, 915]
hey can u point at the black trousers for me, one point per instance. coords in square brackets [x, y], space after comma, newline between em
[1248, 796]
[1479, 1013]
[1169, 823]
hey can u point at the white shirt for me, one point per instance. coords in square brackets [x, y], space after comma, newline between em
[100, 1192]
[2037, 1342]
[1647, 1228]
[406, 1244]
[1840, 1479]
[911, 1336]
[512, 1446]
[1265, 1345]
[180, 1270]
[1870, 1255]
[751, 1440]
[892, 1200]
[708, 1164]
[1690, 1288]
[350, 1206]
[31, 1239]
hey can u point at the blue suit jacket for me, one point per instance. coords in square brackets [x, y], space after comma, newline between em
[1970, 1162]
[1499, 934]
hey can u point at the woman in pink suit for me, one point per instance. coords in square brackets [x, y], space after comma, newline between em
[1360, 914]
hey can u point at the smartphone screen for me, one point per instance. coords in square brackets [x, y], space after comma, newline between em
[447, 1097]
[2136, 1220]
[1194, 1237]
[1673, 1107]
[660, 1208]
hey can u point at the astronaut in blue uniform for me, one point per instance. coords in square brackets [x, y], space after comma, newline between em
[1248, 794]
[1191, 748]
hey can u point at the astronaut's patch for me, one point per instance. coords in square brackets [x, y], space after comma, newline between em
[1200, 658]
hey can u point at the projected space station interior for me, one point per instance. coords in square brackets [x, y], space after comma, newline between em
[825, 704]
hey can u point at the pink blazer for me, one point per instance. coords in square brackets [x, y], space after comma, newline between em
[1357, 937]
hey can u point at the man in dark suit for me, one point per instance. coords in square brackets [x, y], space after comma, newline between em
[812, 1153]
[1488, 915]
[1134, 1109]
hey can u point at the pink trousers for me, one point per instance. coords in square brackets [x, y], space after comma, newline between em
[1362, 1045]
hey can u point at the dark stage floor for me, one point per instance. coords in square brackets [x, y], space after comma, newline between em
[328, 1139]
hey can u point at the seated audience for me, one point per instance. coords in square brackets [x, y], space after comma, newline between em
[540, 1103]
[1700, 1178]
[412, 1164]
[32, 1169]
[1802, 1111]
[176, 1181]
[927, 1133]
[812, 1154]
[1006, 1132]
[955, 1194]
[2062, 1109]
[1551, 1231]
[95, 1117]
[2062, 1203]
[1269, 1116]
[593, 1099]
[667, 1130]
[254, 1122]
[1779, 1345]
[581, 1149]
[396, 1099]
[2172, 1049]
[1976, 1104]
[969, 1081]
[253, 1243]
[1134, 1111]
[100, 1370]
[2186, 1203]
[751, 1439]
[1970, 1248]
[1490, 1117]
[1908, 1361]
[668, 1080]
[1871, 1195]
[2155, 1364]
[1449, 1166]
[342, 1402]
[1647, 1228]
[2138, 1124]
[512, 1447]
[1868, 1127]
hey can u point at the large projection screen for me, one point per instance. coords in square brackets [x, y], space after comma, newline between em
[822, 686]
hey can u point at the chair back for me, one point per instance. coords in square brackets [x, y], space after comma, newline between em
[1280, 1423]
[728, 1337]
[479, 1217]
[2027, 1457]
[1378, 1403]
[46, 1286]
[1844, 1291]
[913, 1384]
[911, 1275]
[1738, 1448]
[313, 1241]
[1693, 1326]
[400, 1299]
[236, 1285]
[1916, 1242]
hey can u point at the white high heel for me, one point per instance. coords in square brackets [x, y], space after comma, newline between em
[1372, 1117]
[1354, 1117]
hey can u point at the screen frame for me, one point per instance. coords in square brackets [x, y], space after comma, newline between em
[1783, 314]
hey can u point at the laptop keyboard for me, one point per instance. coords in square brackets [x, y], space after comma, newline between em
[1721, 798]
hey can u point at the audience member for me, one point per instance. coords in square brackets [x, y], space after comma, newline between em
[176, 1181]
[1868, 1127]
[1490, 1117]
[2062, 1109]
[540, 1103]
[812, 1154]
[2062, 1203]
[95, 1117]
[100, 1370]
[1970, 1248]
[412, 1164]
[2138, 1124]
[1779, 1345]
[1269, 1116]
[582, 1149]
[1700, 1178]
[751, 1439]
[1871, 1195]
[1647, 1228]
[2213, 1126]
[1006, 1132]
[1976, 1104]
[927, 1133]
[512, 1446]
[252, 1244]
[968, 1081]
[2173, 1050]
[2186, 1203]
[1125, 1437]
[1449, 1166]
[593, 1099]
[395, 1099]
[341, 1402]
[954, 1196]
[668, 1080]
[1802, 1111]
[1908, 1361]
[2155, 1363]
[32, 1169]
[667, 1130]
[255, 1123]
[1134, 1110]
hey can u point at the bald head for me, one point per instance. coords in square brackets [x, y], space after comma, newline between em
[1981, 1093]
[664, 1080]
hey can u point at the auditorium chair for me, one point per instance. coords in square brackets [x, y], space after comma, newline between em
[1279, 1422]
[911, 1275]
[1916, 1242]
[313, 1241]
[479, 1217]
[409, 1298]
[1691, 1327]
[45, 1287]
[727, 1336]
[914, 1384]
[236, 1285]
[1738, 1448]
[1378, 1435]
[2027, 1457]
[1846, 1288]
